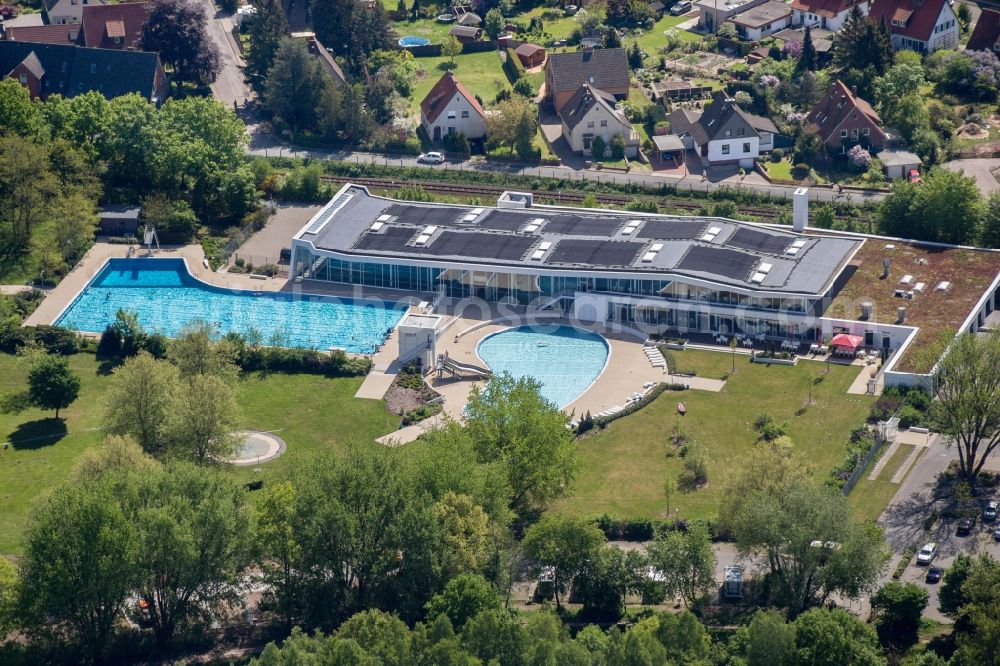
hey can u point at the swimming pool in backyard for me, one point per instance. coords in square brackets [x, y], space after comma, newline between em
[564, 359]
[165, 296]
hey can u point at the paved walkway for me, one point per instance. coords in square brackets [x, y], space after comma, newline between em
[11, 289]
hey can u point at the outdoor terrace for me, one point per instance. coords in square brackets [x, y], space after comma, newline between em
[969, 273]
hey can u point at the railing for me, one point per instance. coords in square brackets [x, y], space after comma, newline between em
[885, 432]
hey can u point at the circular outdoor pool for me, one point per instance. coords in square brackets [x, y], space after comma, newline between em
[257, 447]
[565, 360]
[413, 40]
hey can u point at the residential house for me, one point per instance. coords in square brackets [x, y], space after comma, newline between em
[723, 133]
[449, 108]
[530, 55]
[827, 14]
[47, 69]
[761, 21]
[822, 40]
[605, 69]
[924, 26]
[592, 113]
[114, 26]
[986, 34]
[330, 66]
[60, 12]
[466, 34]
[470, 19]
[42, 34]
[842, 120]
[713, 13]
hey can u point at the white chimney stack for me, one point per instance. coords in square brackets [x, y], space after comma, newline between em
[800, 209]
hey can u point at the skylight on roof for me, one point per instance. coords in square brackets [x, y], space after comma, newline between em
[422, 239]
[376, 226]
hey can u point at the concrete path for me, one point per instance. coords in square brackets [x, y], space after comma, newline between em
[883, 461]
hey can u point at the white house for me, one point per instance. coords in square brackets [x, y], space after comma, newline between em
[827, 14]
[763, 20]
[591, 113]
[924, 26]
[724, 133]
[713, 13]
[61, 12]
[450, 109]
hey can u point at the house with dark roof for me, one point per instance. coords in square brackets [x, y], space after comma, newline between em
[61, 12]
[470, 19]
[986, 34]
[114, 26]
[723, 133]
[449, 108]
[591, 113]
[466, 34]
[49, 69]
[923, 26]
[843, 120]
[530, 55]
[827, 14]
[605, 69]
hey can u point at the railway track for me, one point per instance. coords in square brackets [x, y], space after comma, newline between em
[491, 191]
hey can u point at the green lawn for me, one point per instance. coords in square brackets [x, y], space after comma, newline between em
[653, 40]
[311, 413]
[869, 498]
[479, 73]
[780, 170]
[625, 465]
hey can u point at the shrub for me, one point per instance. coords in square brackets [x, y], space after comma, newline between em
[618, 146]
[597, 148]
[910, 416]
[904, 562]
[523, 87]
[800, 170]
[512, 66]
[777, 155]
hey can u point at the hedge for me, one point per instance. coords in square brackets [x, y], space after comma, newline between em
[645, 529]
[512, 66]
[588, 422]
[54, 339]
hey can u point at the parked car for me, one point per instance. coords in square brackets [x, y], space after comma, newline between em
[990, 512]
[996, 534]
[914, 176]
[964, 526]
[430, 158]
[927, 553]
[934, 574]
[679, 8]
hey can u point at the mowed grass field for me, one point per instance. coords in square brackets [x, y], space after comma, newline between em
[311, 413]
[480, 73]
[625, 465]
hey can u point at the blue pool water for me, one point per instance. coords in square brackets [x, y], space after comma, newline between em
[565, 360]
[413, 40]
[166, 297]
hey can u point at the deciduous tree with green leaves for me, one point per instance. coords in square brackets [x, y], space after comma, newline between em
[52, 384]
[687, 562]
[139, 401]
[563, 543]
[450, 48]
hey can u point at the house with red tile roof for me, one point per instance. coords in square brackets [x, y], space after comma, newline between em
[61, 12]
[986, 34]
[924, 26]
[449, 108]
[114, 26]
[827, 14]
[42, 34]
[842, 120]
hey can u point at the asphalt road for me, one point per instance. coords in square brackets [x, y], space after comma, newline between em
[229, 86]
[981, 169]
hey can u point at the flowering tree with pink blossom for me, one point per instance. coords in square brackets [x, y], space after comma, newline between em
[792, 49]
[769, 81]
[859, 157]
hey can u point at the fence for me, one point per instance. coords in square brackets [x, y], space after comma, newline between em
[434, 50]
[885, 432]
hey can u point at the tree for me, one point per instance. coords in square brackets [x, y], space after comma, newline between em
[194, 352]
[493, 23]
[174, 220]
[9, 586]
[513, 123]
[635, 56]
[78, 567]
[19, 115]
[771, 642]
[51, 383]
[605, 581]
[203, 416]
[176, 29]
[897, 608]
[835, 637]
[511, 424]
[464, 597]
[902, 80]
[946, 208]
[140, 400]
[862, 52]
[465, 527]
[450, 48]
[294, 85]
[563, 544]
[977, 630]
[686, 560]
[967, 410]
[951, 598]
[193, 536]
[772, 469]
[990, 235]
[268, 27]
[28, 190]
[597, 147]
[117, 456]
[811, 547]
[807, 58]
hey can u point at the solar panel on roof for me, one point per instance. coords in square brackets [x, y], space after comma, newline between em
[332, 208]
[503, 247]
[503, 220]
[731, 264]
[671, 229]
[750, 239]
[422, 215]
[575, 225]
[594, 252]
[390, 240]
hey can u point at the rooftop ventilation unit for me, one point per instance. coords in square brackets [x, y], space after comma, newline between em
[764, 268]
[472, 215]
[383, 218]
[907, 279]
[758, 277]
[942, 286]
[711, 234]
[422, 239]
[648, 257]
[656, 247]
[919, 287]
[631, 227]
[531, 228]
[540, 252]
[794, 248]
[376, 226]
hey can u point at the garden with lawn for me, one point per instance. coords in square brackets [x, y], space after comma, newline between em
[480, 73]
[625, 465]
[310, 412]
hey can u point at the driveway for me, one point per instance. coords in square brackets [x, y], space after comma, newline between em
[980, 168]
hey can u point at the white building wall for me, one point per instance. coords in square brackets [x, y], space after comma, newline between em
[833, 24]
[736, 152]
[66, 12]
[591, 124]
[756, 34]
[473, 125]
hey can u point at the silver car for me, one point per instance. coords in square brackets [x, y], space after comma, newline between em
[927, 553]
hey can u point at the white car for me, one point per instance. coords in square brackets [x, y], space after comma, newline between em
[431, 158]
[927, 553]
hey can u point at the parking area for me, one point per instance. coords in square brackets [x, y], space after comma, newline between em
[264, 247]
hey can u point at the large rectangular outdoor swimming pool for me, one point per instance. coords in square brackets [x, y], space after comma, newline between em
[165, 296]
